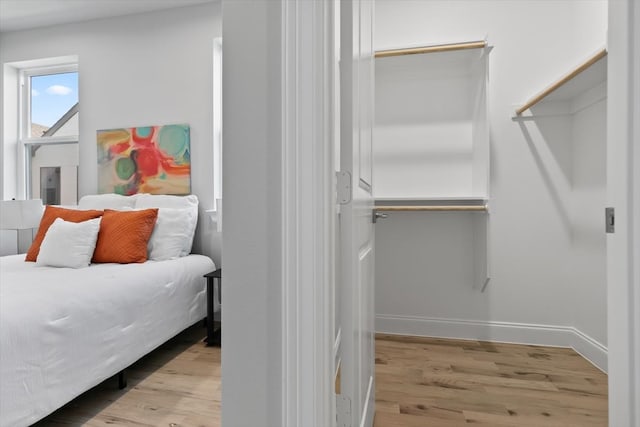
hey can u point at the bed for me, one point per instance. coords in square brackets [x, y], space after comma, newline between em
[65, 330]
[105, 317]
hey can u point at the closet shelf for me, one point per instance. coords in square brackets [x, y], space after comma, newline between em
[594, 59]
[479, 44]
[435, 208]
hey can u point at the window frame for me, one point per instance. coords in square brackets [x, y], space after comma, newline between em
[217, 123]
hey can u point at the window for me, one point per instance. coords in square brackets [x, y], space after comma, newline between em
[49, 133]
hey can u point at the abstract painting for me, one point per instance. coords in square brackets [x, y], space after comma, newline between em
[151, 159]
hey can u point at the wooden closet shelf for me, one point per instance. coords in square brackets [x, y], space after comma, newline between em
[479, 44]
[440, 208]
[562, 81]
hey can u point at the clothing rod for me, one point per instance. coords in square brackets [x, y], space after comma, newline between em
[553, 87]
[440, 208]
[430, 49]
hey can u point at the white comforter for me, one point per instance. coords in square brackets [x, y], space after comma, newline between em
[63, 331]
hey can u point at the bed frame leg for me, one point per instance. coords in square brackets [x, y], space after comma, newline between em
[122, 380]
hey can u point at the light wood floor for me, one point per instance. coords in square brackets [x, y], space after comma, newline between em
[419, 382]
[178, 385]
[436, 382]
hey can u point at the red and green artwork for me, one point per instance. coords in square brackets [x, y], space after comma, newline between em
[151, 159]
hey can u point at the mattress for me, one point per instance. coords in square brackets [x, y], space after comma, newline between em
[63, 331]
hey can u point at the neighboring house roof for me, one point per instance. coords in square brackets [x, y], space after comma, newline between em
[64, 119]
[38, 130]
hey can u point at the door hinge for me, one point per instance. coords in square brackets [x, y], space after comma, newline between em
[344, 187]
[610, 218]
[343, 411]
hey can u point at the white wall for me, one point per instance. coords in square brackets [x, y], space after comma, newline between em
[535, 280]
[137, 70]
[252, 234]
[589, 180]
[412, 155]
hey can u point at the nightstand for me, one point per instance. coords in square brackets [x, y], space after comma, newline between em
[214, 336]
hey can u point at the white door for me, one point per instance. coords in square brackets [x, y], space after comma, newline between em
[356, 286]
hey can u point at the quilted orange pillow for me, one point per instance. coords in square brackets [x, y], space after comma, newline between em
[124, 235]
[50, 215]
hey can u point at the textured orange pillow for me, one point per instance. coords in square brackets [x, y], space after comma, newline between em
[124, 235]
[50, 215]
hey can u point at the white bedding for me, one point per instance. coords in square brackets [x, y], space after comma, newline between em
[63, 331]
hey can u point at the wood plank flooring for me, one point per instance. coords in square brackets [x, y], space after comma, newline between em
[440, 382]
[177, 385]
[419, 382]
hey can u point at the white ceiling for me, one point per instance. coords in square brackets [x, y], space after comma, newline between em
[27, 14]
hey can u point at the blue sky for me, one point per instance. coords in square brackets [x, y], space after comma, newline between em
[52, 95]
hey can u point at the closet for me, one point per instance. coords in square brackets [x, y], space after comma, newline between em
[570, 114]
[495, 225]
[431, 161]
[431, 173]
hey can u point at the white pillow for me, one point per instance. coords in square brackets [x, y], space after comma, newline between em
[145, 201]
[172, 235]
[188, 221]
[107, 201]
[69, 244]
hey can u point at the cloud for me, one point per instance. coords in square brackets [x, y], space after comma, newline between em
[58, 90]
[34, 92]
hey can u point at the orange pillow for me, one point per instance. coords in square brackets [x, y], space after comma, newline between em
[124, 235]
[50, 215]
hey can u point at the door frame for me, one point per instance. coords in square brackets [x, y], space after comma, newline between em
[623, 193]
[308, 224]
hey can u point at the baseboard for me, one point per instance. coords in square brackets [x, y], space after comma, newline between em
[590, 349]
[517, 333]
